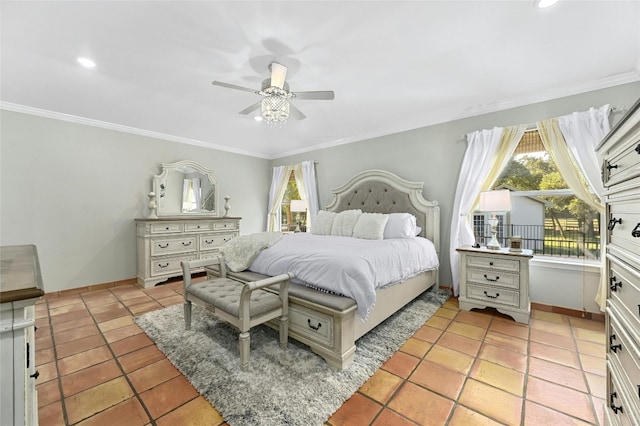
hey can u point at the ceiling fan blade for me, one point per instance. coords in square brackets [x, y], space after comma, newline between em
[296, 113]
[323, 95]
[250, 109]
[233, 86]
[278, 74]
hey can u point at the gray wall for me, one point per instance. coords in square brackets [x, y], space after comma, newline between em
[75, 190]
[433, 154]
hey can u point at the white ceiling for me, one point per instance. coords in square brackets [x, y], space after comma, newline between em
[393, 65]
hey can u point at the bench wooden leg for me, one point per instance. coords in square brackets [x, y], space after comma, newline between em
[284, 331]
[244, 350]
[187, 315]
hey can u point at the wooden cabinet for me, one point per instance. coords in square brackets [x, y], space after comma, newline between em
[20, 287]
[620, 154]
[165, 242]
[497, 279]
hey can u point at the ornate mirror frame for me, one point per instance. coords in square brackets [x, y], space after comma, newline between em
[169, 184]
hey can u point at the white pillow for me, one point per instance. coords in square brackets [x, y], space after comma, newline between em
[370, 226]
[400, 225]
[323, 223]
[344, 222]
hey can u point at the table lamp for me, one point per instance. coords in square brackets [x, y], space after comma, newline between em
[297, 206]
[494, 202]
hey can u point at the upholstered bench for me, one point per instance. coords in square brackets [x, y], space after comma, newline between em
[242, 304]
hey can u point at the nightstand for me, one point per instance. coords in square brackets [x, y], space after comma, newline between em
[497, 279]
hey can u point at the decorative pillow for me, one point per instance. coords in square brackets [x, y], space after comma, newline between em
[370, 226]
[344, 222]
[418, 230]
[323, 223]
[400, 225]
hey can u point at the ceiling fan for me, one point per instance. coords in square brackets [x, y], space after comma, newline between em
[275, 105]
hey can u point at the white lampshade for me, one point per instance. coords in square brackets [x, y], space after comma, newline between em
[298, 206]
[495, 201]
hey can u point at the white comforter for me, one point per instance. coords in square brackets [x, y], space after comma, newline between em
[349, 266]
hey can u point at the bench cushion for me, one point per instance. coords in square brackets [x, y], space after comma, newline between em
[224, 294]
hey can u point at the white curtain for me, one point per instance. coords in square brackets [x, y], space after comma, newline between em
[582, 132]
[310, 190]
[482, 147]
[488, 152]
[279, 180]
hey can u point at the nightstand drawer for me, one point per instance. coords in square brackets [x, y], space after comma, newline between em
[493, 278]
[493, 263]
[493, 295]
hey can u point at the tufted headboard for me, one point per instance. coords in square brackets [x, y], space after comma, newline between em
[380, 191]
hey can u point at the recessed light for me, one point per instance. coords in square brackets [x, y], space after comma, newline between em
[86, 62]
[545, 3]
[258, 118]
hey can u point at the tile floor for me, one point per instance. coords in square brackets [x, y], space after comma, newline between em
[461, 368]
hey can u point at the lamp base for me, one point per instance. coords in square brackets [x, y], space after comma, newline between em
[493, 244]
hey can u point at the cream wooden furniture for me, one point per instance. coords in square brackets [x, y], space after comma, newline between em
[328, 323]
[165, 242]
[243, 305]
[20, 287]
[620, 152]
[497, 279]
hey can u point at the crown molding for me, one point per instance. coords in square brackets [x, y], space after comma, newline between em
[119, 128]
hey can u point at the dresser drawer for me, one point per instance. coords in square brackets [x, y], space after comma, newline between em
[618, 409]
[493, 295]
[625, 221]
[313, 325]
[198, 226]
[165, 228]
[493, 278]
[214, 241]
[493, 263]
[624, 165]
[167, 265]
[167, 246]
[624, 290]
[624, 350]
[224, 224]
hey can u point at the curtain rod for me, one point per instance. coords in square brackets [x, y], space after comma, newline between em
[534, 126]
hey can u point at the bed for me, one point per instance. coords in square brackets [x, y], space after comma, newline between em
[331, 324]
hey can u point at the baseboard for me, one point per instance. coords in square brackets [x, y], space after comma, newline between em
[595, 316]
[94, 287]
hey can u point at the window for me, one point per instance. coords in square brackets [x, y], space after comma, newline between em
[547, 215]
[289, 219]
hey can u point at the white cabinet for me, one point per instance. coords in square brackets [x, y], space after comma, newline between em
[165, 242]
[20, 287]
[620, 152]
[497, 279]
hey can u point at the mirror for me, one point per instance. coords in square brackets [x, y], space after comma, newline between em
[185, 188]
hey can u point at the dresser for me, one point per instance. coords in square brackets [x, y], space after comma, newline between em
[20, 287]
[497, 279]
[165, 242]
[620, 154]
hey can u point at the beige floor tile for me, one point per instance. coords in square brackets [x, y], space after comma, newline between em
[439, 379]
[450, 359]
[421, 405]
[197, 412]
[498, 376]
[416, 347]
[560, 398]
[462, 416]
[467, 330]
[96, 399]
[496, 404]
[381, 386]
[504, 357]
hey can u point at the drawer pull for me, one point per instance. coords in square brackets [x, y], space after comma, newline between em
[160, 265]
[208, 241]
[614, 284]
[615, 348]
[226, 239]
[490, 263]
[615, 409]
[491, 279]
[163, 246]
[638, 148]
[35, 375]
[312, 327]
[492, 297]
[166, 228]
[612, 223]
[612, 338]
[609, 166]
[186, 244]
[636, 231]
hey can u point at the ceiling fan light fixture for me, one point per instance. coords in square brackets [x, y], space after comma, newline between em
[275, 106]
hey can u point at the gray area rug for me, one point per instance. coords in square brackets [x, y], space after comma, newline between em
[292, 387]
